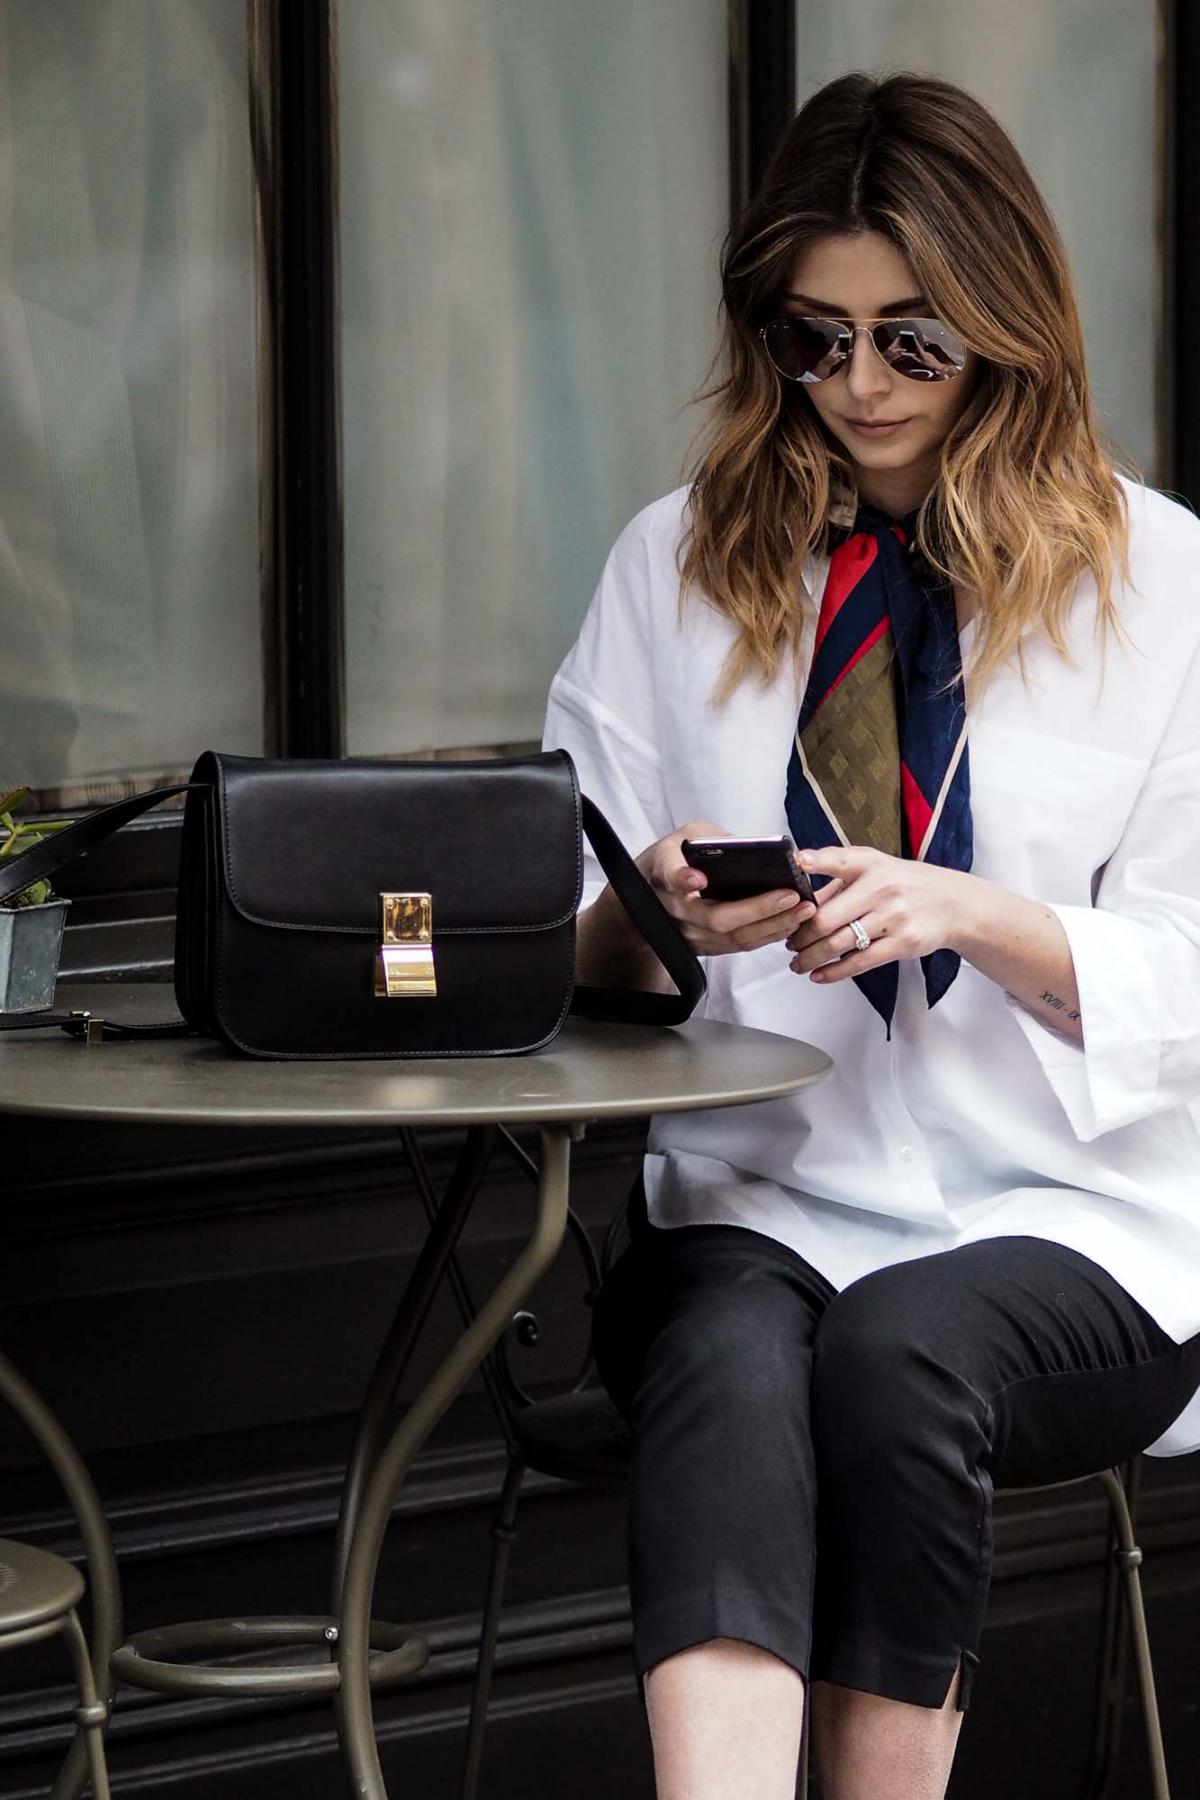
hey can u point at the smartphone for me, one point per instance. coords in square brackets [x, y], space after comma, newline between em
[738, 868]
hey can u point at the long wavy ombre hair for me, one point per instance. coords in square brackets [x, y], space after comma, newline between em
[1026, 497]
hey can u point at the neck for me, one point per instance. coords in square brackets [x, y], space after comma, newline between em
[895, 491]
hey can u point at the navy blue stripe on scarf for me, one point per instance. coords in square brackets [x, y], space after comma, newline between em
[876, 587]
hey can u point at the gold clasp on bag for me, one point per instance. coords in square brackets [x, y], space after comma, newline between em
[404, 965]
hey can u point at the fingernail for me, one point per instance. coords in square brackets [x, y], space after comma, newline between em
[806, 858]
[787, 900]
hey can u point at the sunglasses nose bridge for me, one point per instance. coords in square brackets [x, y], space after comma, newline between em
[852, 332]
[871, 332]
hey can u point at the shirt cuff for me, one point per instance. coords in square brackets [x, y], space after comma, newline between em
[1112, 1079]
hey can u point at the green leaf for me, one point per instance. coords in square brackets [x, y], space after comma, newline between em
[35, 895]
[26, 832]
[22, 835]
[16, 841]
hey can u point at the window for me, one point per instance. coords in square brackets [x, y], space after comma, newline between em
[533, 194]
[129, 556]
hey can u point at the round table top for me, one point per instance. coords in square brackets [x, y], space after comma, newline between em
[592, 1070]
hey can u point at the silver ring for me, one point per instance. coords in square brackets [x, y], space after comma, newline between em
[860, 935]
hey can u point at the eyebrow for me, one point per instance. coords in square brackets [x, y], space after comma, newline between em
[828, 309]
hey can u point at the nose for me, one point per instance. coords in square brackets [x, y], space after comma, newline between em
[867, 376]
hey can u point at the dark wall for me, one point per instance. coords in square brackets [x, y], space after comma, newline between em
[203, 1308]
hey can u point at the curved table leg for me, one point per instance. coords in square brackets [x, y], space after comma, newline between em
[356, 1729]
[394, 1358]
[103, 1581]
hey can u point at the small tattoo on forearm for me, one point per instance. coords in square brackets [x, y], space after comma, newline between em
[1050, 999]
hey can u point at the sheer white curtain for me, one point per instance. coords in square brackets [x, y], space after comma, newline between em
[533, 195]
[1076, 84]
[129, 610]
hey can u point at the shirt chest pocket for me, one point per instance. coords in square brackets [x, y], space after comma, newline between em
[1047, 812]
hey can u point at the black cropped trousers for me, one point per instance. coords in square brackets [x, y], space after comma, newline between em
[812, 1471]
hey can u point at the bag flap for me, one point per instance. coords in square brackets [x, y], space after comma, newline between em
[310, 846]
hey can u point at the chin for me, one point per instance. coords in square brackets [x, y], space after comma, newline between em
[883, 456]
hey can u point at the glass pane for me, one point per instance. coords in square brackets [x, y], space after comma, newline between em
[129, 609]
[1076, 85]
[533, 195]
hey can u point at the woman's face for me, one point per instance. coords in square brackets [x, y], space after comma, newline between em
[853, 279]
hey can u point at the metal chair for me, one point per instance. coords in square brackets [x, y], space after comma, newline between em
[38, 1597]
[580, 1436]
[39, 1593]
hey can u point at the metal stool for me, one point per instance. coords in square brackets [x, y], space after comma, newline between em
[39, 1592]
[38, 1597]
[580, 1436]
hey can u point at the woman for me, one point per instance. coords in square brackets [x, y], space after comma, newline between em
[971, 1257]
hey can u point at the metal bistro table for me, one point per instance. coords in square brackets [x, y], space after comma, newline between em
[592, 1071]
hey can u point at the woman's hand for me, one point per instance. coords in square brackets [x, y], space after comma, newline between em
[907, 909]
[910, 908]
[716, 927]
[611, 952]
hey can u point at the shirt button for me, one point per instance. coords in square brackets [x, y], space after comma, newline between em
[906, 1152]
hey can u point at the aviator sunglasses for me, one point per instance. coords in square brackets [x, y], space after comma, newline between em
[805, 349]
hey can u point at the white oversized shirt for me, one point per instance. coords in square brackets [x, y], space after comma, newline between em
[977, 1120]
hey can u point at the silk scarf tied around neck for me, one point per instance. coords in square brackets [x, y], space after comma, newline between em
[880, 752]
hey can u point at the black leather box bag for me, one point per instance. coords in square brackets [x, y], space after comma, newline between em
[377, 909]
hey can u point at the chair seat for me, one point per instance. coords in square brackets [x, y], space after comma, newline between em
[579, 1437]
[35, 1587]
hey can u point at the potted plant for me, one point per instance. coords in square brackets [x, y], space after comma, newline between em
[31, 921]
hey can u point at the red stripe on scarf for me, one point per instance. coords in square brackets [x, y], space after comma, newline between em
[847, 566]
[917, 810]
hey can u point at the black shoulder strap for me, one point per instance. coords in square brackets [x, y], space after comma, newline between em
[17, 872]
[630, 885]
[656, 926]
[76, 1024]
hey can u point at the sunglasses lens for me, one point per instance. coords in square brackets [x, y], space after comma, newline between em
[806, 349]
[922, 349]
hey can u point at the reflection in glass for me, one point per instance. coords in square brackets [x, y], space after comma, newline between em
[129, 610]
[533, 195]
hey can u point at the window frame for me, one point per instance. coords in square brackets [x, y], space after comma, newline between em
[294, 128]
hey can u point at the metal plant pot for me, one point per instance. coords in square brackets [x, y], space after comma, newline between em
[30, 942]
